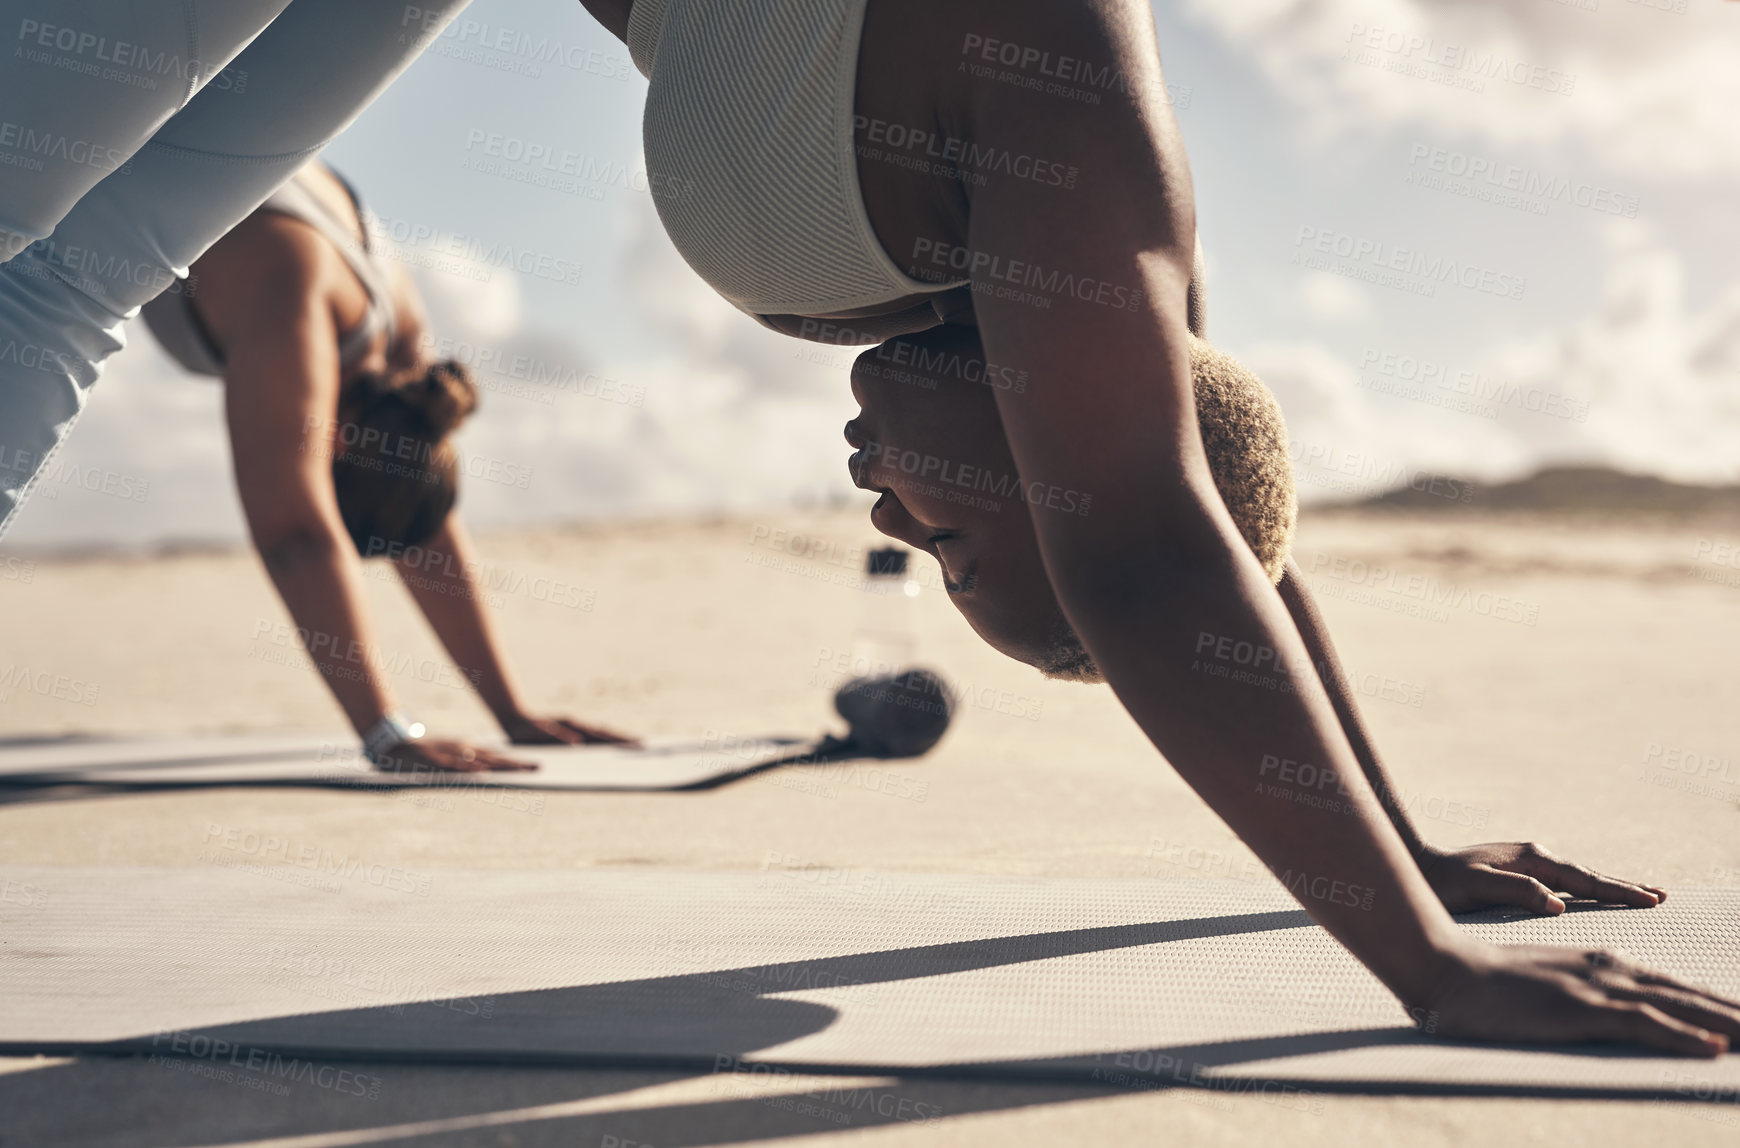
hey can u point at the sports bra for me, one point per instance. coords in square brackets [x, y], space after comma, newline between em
[177, 327]
[749, 150]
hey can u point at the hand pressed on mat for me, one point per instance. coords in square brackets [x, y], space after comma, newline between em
[1525, 875]
[1544, 994]
[440, 755]
[529, 730]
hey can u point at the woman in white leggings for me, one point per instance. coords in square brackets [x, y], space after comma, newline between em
[133, 135]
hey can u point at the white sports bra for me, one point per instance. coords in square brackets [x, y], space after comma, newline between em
[173, 322]
[749, 149]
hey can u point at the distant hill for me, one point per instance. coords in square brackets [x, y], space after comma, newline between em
[1572, 490]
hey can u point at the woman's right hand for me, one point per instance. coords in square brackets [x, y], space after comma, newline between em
[440, 755]
[1540, 994]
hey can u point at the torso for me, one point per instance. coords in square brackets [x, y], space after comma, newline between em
[909, 72]
[345, 293]
[350, 300]
[921, 88]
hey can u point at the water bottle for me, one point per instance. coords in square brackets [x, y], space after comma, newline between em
[887, 639]
[894, 707]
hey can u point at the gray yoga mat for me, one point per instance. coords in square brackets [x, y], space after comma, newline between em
[295, 760]
[1140, 983]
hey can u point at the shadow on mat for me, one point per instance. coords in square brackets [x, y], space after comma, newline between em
[446, 1073]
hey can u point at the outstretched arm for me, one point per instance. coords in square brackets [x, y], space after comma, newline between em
[1158, 567]
[1302, 608]
[1474, 877]
[443, 580]
[281, 388]
[281, 391]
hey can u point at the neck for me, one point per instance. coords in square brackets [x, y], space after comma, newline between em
[613, 14]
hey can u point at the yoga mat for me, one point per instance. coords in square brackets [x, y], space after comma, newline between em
[32, 755]
[1139, 983]
[292, 760]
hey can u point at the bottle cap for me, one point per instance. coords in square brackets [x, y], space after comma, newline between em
[889, 560]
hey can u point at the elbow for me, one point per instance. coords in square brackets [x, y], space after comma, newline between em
[287, 546]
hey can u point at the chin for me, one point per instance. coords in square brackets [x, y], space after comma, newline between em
[1057, 654]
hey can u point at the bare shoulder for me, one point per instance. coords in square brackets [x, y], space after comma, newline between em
[1047, 107]
[1085, 73]
[268, 264]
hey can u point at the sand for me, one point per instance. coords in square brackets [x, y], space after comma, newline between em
[1554, 696]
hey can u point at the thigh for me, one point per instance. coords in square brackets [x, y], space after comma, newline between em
[307, 76]
[86, 82]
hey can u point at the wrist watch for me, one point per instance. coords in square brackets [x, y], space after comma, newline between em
[388, 734]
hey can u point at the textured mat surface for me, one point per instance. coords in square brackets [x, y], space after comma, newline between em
[279, 945]
[331, 761]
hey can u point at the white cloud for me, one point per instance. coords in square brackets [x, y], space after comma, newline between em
[486, 302]
[1648, 381]
[1657, 369]
[1652, 96]
[1334, 298]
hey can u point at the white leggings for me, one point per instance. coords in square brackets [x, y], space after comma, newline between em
[133, 135]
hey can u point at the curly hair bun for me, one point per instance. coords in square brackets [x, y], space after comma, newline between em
[395, 473]
[1245, 437]
[445, 396]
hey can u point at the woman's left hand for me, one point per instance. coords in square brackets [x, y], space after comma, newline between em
[1525, 875]
[528, 730]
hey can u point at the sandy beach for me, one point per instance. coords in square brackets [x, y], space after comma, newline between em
[1528, 678]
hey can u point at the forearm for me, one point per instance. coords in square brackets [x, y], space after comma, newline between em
[1315, 634]
[446, 589]
[1172, 650]
[317, 574]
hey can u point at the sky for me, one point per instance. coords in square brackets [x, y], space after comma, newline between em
[1458, 238]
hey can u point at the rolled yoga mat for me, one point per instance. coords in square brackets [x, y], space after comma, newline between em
[275, 953]
[334, 761]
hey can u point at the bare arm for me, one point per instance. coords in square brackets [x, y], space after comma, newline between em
[444, 584]
[281, 383]
[281, 389]
[1473, 877]
[1315, 634]
[1158, 568]
[1159, 563]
